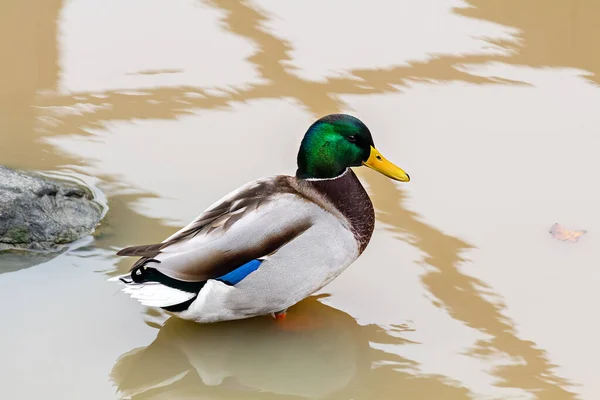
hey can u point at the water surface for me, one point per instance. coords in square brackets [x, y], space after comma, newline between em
[166, 106]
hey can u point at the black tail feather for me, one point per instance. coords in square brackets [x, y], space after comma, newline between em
[181, 306]
[142, 274]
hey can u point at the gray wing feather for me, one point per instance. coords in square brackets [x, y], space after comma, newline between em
[249, 223]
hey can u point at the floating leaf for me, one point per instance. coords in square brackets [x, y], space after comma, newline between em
[566, 235]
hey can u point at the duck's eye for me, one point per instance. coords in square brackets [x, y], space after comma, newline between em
[352, 138]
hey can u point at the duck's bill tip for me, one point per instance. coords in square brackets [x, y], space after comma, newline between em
[380, 164]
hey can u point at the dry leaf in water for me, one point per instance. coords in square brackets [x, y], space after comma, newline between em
[566, 235]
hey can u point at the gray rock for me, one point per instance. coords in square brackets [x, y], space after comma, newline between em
[42, 214]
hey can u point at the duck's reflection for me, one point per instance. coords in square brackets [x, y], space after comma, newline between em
[314, 352]
[317, 352]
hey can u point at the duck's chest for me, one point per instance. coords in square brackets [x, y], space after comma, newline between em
[349, 197]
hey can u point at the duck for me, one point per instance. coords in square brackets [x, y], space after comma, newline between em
[274, 241]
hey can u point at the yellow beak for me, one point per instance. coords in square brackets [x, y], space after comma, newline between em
[377, 162]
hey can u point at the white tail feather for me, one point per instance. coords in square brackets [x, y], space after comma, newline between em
[153, 294]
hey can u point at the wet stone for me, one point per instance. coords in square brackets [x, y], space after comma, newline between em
[43, 214]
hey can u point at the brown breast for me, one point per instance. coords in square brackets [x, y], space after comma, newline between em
[348, 195]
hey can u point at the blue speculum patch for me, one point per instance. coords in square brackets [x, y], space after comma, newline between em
[237, 275]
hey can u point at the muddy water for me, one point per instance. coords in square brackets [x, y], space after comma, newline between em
[491, 106]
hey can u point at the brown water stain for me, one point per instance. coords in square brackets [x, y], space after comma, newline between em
[28, 33]
[553, 33]
[270, 59]
[465, 298]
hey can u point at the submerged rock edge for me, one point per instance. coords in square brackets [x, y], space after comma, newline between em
[43, 213]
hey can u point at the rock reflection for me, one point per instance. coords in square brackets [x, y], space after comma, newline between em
[318, 352]
[11, 261]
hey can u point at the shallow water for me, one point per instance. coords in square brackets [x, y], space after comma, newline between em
[491, 106]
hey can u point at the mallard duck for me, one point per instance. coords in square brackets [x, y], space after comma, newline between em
[274, 241]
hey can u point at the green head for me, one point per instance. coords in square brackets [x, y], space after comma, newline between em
[339, 141]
